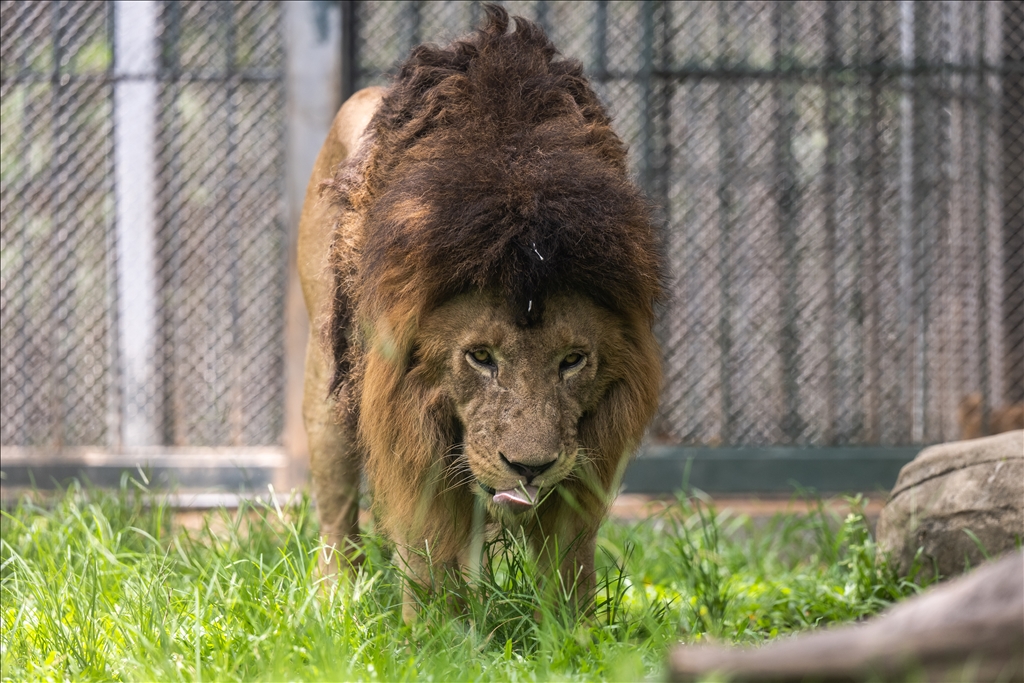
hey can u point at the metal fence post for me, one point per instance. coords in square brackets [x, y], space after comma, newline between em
[1013, 197]
[314, 82]
[135, 94]
[349, 36]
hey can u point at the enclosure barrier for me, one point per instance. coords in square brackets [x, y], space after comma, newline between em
[842, 186]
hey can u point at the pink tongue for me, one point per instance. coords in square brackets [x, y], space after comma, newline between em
[520, 498]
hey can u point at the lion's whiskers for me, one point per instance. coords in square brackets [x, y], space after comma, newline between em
[457, 473]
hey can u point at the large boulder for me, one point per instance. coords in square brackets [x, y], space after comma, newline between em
[953, 498]
[969, 629]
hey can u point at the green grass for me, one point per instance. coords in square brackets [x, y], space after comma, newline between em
[103, 585]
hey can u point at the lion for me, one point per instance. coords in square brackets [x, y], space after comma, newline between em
[973, 425]
[482, 277]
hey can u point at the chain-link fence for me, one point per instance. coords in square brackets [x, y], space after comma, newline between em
[144, 241]
[842, 187]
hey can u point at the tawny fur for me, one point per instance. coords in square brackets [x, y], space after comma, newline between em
[487, 195]
[971, 415]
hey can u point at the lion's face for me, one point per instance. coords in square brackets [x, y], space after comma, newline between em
[518, 392]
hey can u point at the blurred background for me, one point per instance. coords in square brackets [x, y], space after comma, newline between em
[842, 186]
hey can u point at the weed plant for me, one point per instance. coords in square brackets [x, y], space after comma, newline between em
[105, 586]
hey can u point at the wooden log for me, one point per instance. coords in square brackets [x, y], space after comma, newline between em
[970, 629]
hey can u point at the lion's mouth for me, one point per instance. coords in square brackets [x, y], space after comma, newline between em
[516, 500]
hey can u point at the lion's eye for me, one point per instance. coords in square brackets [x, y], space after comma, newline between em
[481, 357]
[571, 361]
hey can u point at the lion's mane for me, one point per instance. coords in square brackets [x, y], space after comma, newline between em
[490, 164]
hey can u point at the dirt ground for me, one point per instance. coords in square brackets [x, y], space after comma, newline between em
[636, 507]
[194, 507]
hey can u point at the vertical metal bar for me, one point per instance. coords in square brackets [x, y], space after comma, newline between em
[311, 63]
[170, 169]
[993, 54]
[860, 123]
[831, 25]
[350, 73]
[646, 95]
[412, 11]
[941, 389]
[600, 57]
[134, 119]
[873, 351]
[1012, 115]
[787, 198]
[983, 355]
[726, 202]
[698, 403]
[15, 426]
[665, 95]
[235, 360]
[931, 193]
[474, 13]
[906, 216]
[954, 371]
[114, 370]
[66, 229]
[286, 231]
[542, 16]
[924, 220]
[57, 119]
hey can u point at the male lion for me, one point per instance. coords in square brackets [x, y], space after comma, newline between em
[484, 274]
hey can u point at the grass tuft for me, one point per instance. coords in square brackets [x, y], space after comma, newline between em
[103, 585]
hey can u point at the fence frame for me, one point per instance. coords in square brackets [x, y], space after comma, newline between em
[313, 63]
[779, 470]
[321, 71]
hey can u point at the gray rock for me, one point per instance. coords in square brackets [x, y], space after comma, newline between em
[970, 629]
[950, 492]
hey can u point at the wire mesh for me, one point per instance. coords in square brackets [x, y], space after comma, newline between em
[842, 188]
[842, 185]
[213, 335]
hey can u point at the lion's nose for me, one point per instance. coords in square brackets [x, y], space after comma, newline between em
[528, 471]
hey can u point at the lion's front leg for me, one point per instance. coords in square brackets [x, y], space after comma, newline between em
[565, 547]
[575, 578]
[335, 465]
[424, 575]
[416, 576]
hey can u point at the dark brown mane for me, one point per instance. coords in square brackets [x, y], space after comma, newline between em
[491, 164]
